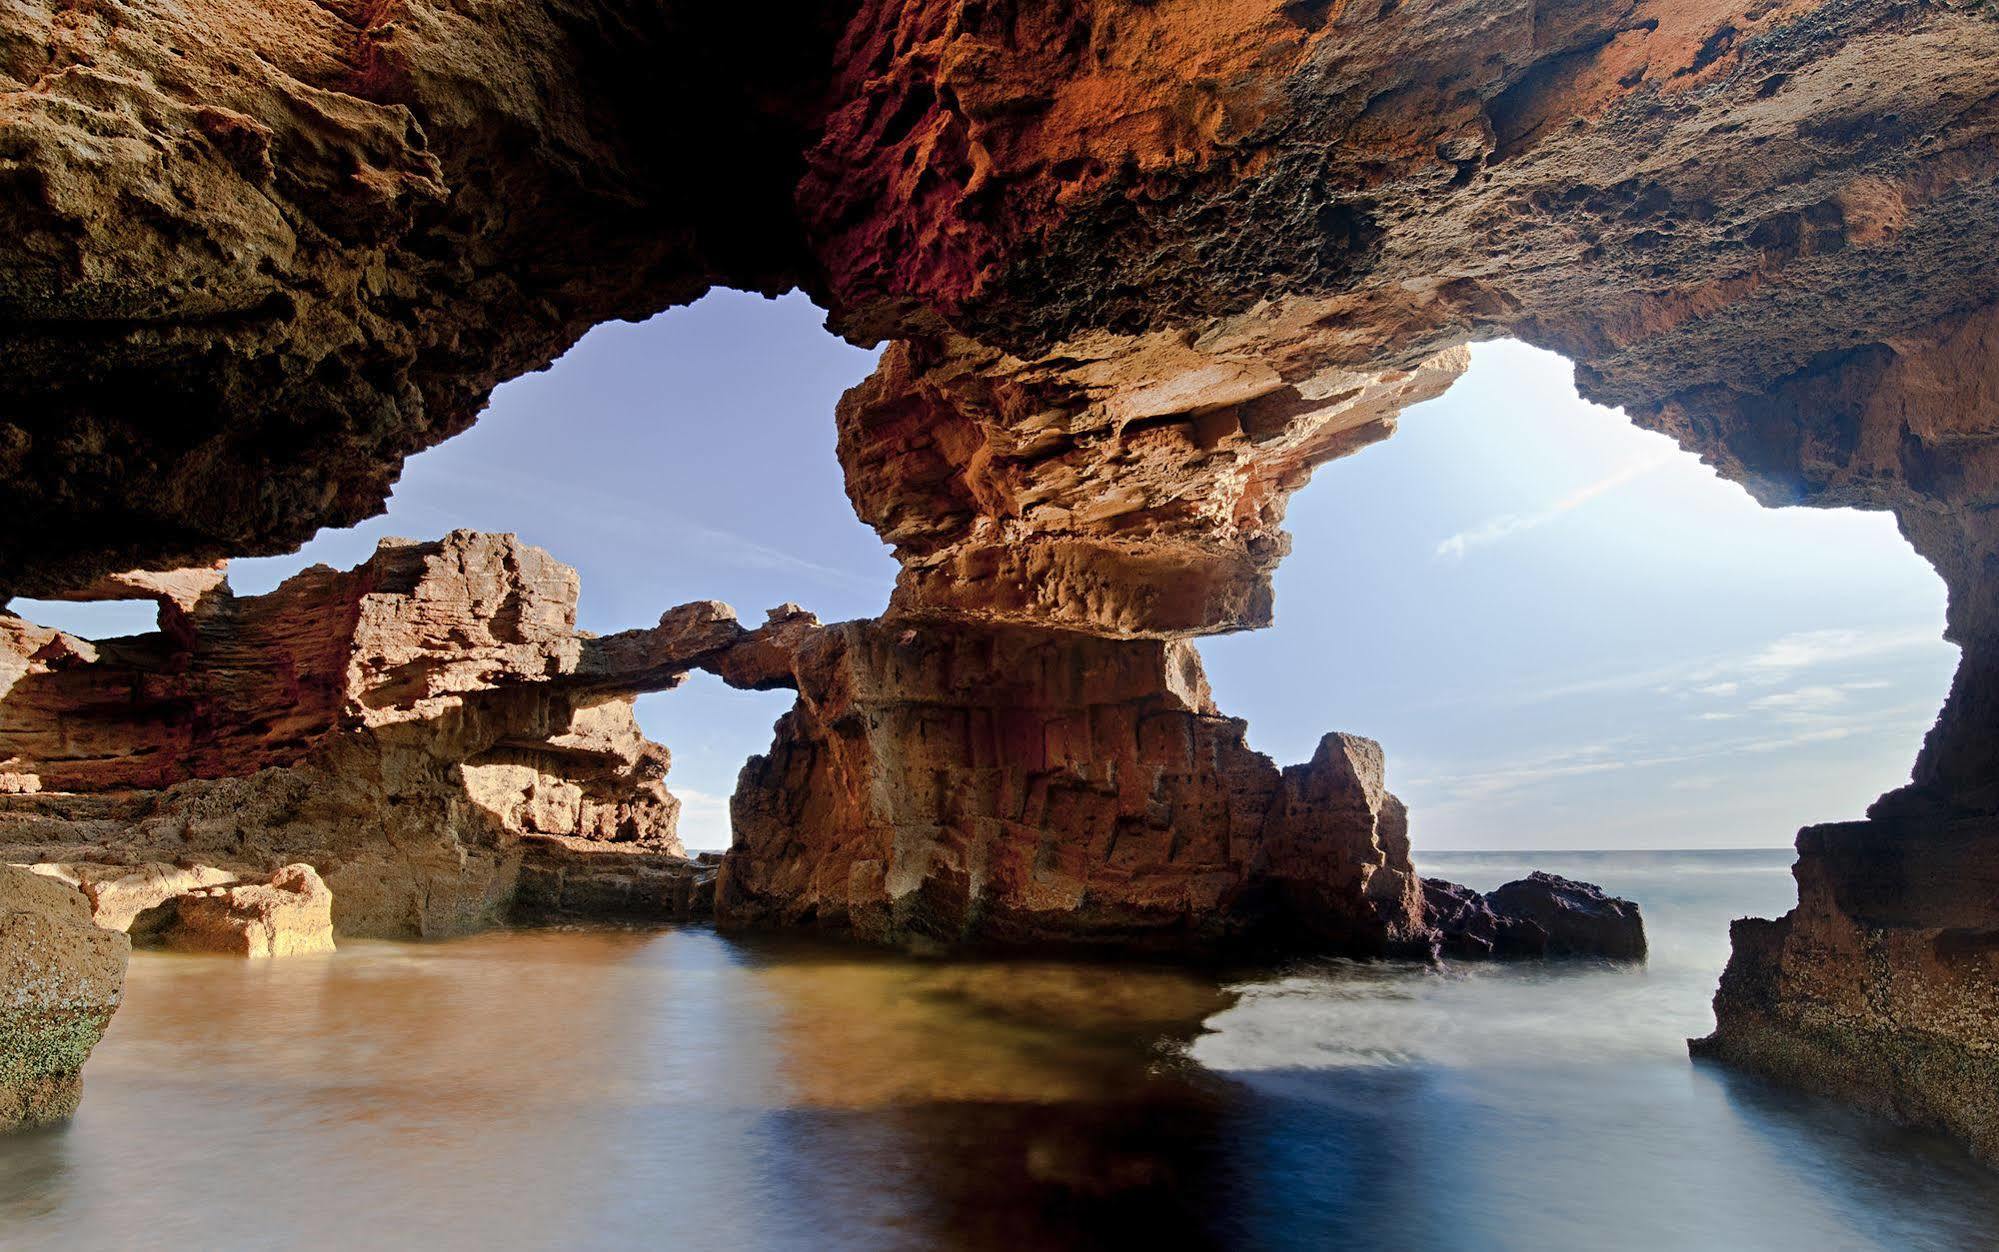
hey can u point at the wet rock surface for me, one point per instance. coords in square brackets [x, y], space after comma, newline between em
[1882, 986]
[61, 976]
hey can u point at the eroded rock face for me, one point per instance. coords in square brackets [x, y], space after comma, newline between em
[291, 914]
[1008, 786]
[586, 880]
[400, 727]
[61, 976]
[1882, 986]
[273, 227]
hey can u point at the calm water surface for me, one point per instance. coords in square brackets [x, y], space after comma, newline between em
[682, 1089]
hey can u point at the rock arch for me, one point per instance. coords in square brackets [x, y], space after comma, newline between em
[1143, 264]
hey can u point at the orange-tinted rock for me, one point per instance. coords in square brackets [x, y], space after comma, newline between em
[399, 727]
[118, 894]
[1146, 264]
[1010, 786]
[290, 915]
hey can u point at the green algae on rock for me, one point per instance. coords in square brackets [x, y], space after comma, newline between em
[63, 976]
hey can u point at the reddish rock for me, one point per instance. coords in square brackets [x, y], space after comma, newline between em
[1007, 786]
[1145, 265]
[1882, 986]
[399, 727]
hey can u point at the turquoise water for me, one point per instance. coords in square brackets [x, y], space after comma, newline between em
[679, 1088]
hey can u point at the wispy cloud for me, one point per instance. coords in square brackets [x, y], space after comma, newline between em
[704, 818]
[1507, 525]
[1719, 676]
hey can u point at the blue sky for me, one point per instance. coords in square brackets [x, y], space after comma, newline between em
[1566, 632]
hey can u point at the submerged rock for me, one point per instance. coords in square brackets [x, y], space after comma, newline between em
[290, 915]
[61, 976]
[1539, 915]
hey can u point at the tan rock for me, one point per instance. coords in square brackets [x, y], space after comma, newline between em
[400, 727]
[291, 915]
[119, 893]
[61, 977]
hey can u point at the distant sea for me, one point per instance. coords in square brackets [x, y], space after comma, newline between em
[600, 1088]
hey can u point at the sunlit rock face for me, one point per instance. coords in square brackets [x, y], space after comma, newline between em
[1021, 787]
[1150, 263]
[402, 728]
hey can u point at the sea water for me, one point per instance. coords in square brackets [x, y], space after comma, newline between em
[680, 1088]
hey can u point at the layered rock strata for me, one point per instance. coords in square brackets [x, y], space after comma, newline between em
[403, 728]
[1145, 264]
[61, 976]
[1008, 786]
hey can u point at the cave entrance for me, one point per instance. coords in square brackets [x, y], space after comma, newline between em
[1568, 633]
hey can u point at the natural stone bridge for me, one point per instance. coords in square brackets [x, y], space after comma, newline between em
[1141, 266]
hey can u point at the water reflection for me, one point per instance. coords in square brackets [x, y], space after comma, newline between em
[679, 1088]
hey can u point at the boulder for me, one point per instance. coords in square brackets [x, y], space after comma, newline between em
[1579, 918]
[1467, 926]
[290, 915]
[61, 976]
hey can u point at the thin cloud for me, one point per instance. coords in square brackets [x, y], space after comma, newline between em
[1811, 648]
[1507, 525]
[1719, 676]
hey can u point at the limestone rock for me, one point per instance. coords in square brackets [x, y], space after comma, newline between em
[290, 915]
[399, 727]
[1882, 986]
[60, 981]
[1020, 787]
[1144, 264]
[119, 893]
[581, 880]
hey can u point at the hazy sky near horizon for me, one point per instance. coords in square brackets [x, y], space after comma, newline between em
[1566, 632]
